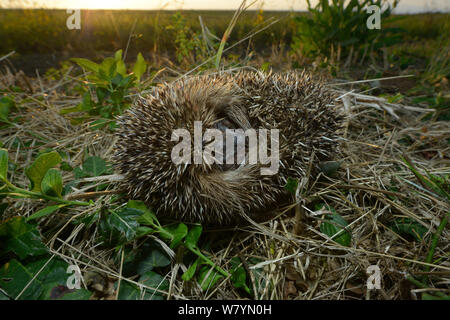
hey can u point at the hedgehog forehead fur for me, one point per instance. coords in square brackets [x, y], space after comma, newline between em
[302, 109]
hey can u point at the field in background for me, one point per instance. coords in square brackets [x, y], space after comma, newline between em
[37, 34]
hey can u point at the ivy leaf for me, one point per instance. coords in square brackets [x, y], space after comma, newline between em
[21, 238]
[177, 232]
[154, 280]
[39, 168]
[407, 226]
[148, 217]
[193, 236]
[333, 224]
[94, 166]
[51, 277]
[52, 183]
[78, 294]
[156, 258]
[139, 67]
[120, 227]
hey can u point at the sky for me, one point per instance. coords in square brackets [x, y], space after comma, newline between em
[406, 6]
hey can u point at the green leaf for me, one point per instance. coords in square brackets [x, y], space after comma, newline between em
[121, 68]
[86, 64]
[128, 291]
[51, 184]
[154, 280]
[291, 185]
[77, 294]
[335, 223]
[120, 227]
[148, 217]
[193, 236]
[408, 226]
[139, 67]
[94, 166]
[6, 104]
[239, 275]
[190, 272]
[21, 238]
[178, 234]
[14, 277]
[208, 277]
[3, 164]
[44, 279]
[39, 168]
[156, 258]
[45, 212]
[151, 279]
[118, 55]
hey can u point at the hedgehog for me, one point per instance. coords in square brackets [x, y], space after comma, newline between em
[212, 190]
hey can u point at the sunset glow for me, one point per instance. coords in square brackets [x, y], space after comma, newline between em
[405, 6]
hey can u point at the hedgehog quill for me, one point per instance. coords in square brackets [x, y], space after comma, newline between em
[223, 186]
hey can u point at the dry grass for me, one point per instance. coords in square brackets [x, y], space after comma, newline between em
[297, 261]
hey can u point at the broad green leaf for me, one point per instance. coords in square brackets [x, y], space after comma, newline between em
[14, 277]
[333, 224]
[3, 164]
[120, 227]
[94, 166]
[121, 68]
[85, 105]
[208, 277]
[86, 64]
[407, 226]
[193, 236]
[118, 55]
[39, 168]
[45, 212]
[156, 258]
[52, 183]
[154, 280]
[49, 281]
[178, 234]
[76, 294]
[239, 275]
[148, 218]
[190, 272]
[21, 238]
[139, 67]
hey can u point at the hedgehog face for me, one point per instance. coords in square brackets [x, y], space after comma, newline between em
[204, 108]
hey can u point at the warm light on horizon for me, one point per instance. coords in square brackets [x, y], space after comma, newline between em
[405, 6]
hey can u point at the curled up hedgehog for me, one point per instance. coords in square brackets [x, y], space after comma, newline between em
[217, 148]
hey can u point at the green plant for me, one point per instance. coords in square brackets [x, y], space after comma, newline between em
[336, 30]
[189, 46]
[111, 84]
[45, 181]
